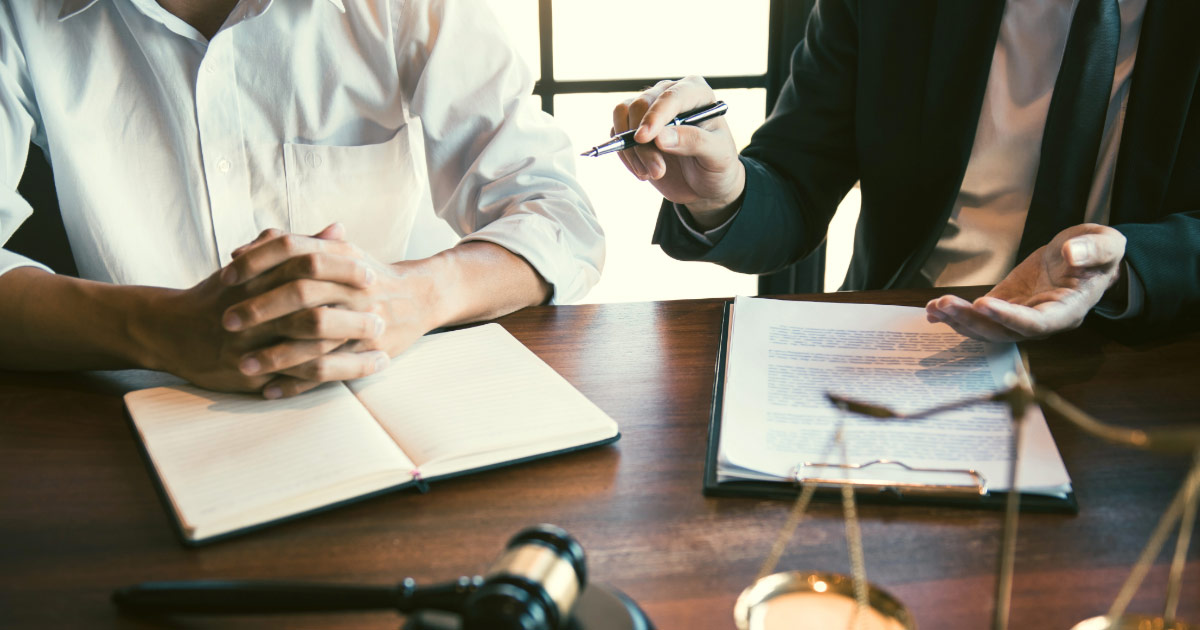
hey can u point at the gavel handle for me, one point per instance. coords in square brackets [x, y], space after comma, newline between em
[215, 597]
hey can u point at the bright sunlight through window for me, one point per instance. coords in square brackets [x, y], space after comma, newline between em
[636, 270]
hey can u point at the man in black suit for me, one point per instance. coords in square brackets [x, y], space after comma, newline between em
[983, 135]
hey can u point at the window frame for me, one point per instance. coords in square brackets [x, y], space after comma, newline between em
[785, 23]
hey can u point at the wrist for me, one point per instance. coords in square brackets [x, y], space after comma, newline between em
[418, 292]
[1115, 299]
[149, 327]
[713, 212]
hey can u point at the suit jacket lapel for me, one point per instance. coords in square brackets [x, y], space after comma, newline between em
[1164, 80]
[963, 43]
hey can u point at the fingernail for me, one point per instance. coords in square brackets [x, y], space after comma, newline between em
[250, 365]
[232, 321]
[272, 392]
[369, 277]
[668, 137]
[381, 362]
[378, 327]
[229, 276]
[1080, 251]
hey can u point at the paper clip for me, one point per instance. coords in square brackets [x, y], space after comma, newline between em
[975, 484]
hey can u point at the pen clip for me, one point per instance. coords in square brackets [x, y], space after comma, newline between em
[701, 114]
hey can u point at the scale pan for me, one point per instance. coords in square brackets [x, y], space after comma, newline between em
[1131, 622]
[807, 600]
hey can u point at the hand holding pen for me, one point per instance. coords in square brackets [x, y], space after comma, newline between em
[625, 140]
[695, 165]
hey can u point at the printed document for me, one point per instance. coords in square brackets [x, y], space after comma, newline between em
[785, 356]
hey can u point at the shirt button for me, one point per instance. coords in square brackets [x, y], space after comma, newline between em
[210, 67]
[223, 165]
[312, 159]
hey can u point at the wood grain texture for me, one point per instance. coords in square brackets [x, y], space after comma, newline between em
[79, 514]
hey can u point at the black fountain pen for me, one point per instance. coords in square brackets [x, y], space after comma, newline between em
[624, 140]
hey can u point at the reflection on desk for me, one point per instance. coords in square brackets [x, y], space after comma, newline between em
[79, 515]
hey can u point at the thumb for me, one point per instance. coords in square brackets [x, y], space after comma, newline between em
[695, 142]
[332, 232]
[1094, 250]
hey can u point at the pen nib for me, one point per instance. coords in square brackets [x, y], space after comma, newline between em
[589, 153]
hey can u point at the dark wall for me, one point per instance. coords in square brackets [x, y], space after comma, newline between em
[42, 236]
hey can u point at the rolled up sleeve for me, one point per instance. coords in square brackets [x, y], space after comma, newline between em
[500, 169]
[17, 124]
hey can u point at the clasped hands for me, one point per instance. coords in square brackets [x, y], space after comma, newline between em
[290, 312]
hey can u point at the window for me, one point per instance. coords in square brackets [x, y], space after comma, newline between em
[583, 72]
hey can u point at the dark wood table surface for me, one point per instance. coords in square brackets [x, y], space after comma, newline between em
[79, 514]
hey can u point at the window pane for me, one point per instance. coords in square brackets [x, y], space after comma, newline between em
[635, 269]
[603, 40]
[519, 19]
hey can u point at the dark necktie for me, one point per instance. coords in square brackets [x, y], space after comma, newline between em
[1074, 124]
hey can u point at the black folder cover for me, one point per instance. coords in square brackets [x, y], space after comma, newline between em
[787, 490]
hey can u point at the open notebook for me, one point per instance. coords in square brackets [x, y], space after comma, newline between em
[453, 403]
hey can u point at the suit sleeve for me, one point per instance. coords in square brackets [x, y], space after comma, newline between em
[1167, 258]
[799, 164]
[1165, 253]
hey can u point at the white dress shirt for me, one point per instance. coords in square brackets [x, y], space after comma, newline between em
[171, 150]
[980, 242]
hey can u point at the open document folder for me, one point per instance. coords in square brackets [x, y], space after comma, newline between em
[773, 426]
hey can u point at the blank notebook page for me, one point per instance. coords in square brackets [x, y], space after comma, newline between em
[477, 390]
[220, 455]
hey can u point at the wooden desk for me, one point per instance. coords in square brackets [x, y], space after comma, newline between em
[79, 514]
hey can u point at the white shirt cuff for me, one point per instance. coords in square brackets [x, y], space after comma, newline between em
[1134, 302]
[12, 260]
[708, 237]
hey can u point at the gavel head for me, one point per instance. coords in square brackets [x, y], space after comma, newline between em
[532, 585]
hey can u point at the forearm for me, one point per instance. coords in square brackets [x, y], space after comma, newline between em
[51, 322]
[477, 280]
[710, 213]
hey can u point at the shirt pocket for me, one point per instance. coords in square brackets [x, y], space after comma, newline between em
[374, 190]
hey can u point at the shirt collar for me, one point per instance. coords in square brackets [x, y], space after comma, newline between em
[71, 8]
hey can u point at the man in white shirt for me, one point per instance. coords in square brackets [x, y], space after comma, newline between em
[240, 181]
[941, 110]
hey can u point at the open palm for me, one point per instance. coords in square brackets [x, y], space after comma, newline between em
[1050, 291]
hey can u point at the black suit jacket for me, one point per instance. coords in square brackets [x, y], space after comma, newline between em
[889, 94]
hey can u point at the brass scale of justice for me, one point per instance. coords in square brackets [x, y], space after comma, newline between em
[796, 600]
